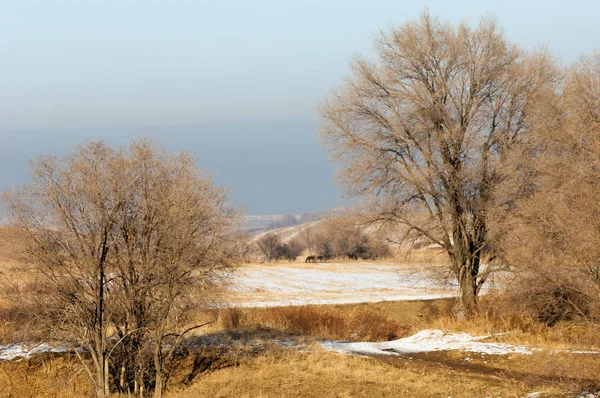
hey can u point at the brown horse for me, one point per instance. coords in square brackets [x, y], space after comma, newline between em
[311, 259]
[322, 259]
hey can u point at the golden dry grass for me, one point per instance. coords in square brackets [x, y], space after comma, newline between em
[13, 263]
[12, 247]
[362, 321]
[43, 376]
[326, 374]
[280, 372]
[319, 373]
[496, 317]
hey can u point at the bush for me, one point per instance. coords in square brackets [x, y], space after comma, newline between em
[315, 321]
[274, 249]
[550, 301]
[344, 239]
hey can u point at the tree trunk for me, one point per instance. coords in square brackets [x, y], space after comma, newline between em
[159, 379]
[466, 262]
[101, 378]
[468, 299]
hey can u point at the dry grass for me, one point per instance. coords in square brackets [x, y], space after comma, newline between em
[13, 263]
[279, 372]
[12, 248]
[353, 322]
[326, 374]
[321, 322]
[496, 316]
[44, 377]
[319, 373]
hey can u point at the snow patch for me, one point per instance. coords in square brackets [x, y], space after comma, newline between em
[428, 341]
[22, 350]
[586, 394]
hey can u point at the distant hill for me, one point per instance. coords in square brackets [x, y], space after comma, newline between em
[13, 245]
[314, 231]
[255, 224]
[287, 234]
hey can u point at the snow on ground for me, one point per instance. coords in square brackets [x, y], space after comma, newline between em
[428, 341]
[332, 283]
[21, 350]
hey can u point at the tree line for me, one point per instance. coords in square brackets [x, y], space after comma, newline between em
[335, 238]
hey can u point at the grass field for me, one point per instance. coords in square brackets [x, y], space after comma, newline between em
[308, 370]
[275, 352]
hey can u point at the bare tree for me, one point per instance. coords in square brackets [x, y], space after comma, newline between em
[324, 243]
[306, 235]
[292, 249]
[268, 245]
[273, 248]
[124, 241]
[556, 230]
[425, 129]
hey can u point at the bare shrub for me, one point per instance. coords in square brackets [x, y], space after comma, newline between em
[555, 229]
[343, 237]
[122, 242]
[315, 321]
[231, 318]
[273, 248]
[291, 250]
[369, 326]
[269, 245]
[324, 244]
[308, 320]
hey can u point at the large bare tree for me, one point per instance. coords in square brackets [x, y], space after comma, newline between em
[124, 241]
[425, 128]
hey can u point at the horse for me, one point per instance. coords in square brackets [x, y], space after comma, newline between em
[352, 256]
[311, 259]
[322, 259]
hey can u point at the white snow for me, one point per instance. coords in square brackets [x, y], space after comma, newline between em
[586, 394]
[428, 341]
[22, 350]
[332, 283]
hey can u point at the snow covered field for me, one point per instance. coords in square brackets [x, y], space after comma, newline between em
[332, 283]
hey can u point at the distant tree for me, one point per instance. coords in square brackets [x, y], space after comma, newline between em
[306, 236]
[325, 244]
[268, 245]
[124, 241]
[273, 248]
[293, 249]
[425, 129]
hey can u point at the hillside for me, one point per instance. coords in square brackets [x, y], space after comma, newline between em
[12, 248]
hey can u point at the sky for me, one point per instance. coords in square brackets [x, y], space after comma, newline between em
[235, 82]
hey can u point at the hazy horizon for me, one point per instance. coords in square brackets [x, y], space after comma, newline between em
[265, 171]
[235, 82]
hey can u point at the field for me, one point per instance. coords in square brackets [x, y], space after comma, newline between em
[260, 285]
[340, 329]
[254, 364]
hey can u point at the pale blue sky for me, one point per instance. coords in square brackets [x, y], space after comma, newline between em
[218, 78]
